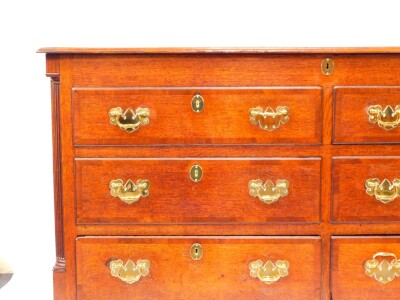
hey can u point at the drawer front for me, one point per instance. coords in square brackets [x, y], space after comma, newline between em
[285, 268]
[366, 115]
[227, 190]
[168, 116]
[366, 268]
[366, 189]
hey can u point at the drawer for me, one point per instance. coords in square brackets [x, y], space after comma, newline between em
[365, 268]
[198, 268]
[366, 189]
[167, 116]
[366, 115]
[198, 190]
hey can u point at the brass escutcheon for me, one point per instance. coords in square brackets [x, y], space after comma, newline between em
[196, 251]
[197, 103]
[327, 66]
[196, 173]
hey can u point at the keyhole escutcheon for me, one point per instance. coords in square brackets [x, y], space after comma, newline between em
[327, 66]
[196, 173]
[197, 103]
[196, 251]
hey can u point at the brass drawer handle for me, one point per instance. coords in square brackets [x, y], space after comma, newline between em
[384, 191]
[387, 118]
[383, 271]
[130, 273]
[129, 120]
[268, 193]
[269, 119]
[269, 272]
[129, 192]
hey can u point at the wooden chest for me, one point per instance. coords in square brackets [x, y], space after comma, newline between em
[226, 173]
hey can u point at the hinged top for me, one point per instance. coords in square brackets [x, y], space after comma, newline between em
[337, 50]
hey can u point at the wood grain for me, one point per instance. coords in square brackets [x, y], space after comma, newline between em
[349, 280]
[327, 151]
[222, 273]
[59, 270]
[305, 50]
[222, 195]
[67, 179]
[53, 65]
[350, 200]
[321, 229]
[58, 201]
[351, 119]
[230, 70]
[166, 73]
[224, 120]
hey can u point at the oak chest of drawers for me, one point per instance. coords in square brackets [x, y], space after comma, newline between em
[226, 173]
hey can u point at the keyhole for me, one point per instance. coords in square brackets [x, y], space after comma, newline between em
[196, 251]
[327, 66]
[196, 173]
[197, 103]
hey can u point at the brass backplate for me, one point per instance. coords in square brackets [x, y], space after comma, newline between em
[130, 272]
[196, 173]
[196, 251]
[327, 66]
[387, 118]
[383, 270]
[197, 103]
